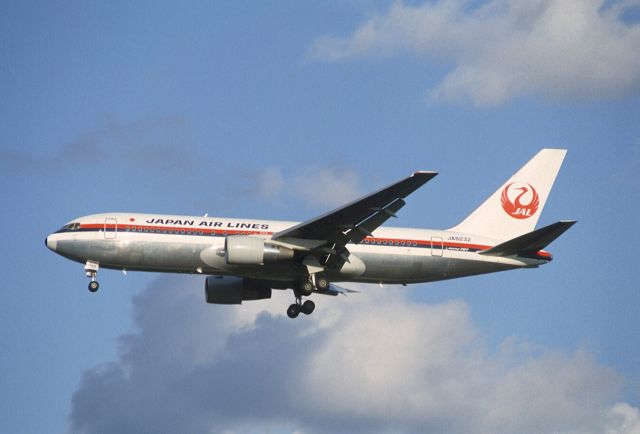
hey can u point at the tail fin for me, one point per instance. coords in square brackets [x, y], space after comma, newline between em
[514, 209]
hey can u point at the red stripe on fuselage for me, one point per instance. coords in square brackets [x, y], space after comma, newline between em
[389, 242]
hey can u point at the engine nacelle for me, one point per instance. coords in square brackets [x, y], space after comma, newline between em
[234, 290]
[247, 250]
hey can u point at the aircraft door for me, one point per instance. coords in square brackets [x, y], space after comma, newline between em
[437, 247]
[110, 228]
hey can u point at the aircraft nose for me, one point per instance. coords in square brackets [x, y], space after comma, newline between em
[51, 244]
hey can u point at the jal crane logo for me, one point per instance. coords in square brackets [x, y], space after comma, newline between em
[520, 200]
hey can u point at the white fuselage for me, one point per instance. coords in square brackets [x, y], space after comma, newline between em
[189, 244]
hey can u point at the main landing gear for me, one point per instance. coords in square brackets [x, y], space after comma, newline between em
[91, 270]
[306, 308]
[304, 290]
[322, 284]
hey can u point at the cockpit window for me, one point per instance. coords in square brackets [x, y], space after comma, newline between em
[70, 227]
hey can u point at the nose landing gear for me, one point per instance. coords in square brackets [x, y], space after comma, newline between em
[91, 270]
[94, 285]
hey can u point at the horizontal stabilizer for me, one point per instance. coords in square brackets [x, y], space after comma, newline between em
[531, 242]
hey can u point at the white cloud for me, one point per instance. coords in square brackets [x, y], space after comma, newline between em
[624, 419]
[264, 183]
[159, 144]
[319, 187]
[270, 182]
[372, 362]
[503, 49]
[327, 186]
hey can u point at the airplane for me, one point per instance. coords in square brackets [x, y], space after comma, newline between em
[245, 259]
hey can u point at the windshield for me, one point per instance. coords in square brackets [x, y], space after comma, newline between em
[70, 227]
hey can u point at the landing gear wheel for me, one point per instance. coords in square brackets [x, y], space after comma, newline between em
[91, 271]
[94, 285]
[322, 284]
[294, 310]
[308, 307]
[307, 288]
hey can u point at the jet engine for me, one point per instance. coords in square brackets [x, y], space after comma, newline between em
[247, 250]
[234, 290]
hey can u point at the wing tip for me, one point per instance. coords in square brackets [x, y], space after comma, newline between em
[558, 151]
[424, 173]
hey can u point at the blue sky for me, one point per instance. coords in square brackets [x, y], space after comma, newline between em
[283, 111]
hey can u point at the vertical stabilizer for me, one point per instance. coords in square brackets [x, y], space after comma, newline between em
[514, 209]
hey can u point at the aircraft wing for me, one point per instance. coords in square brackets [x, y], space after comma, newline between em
[356, 220]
